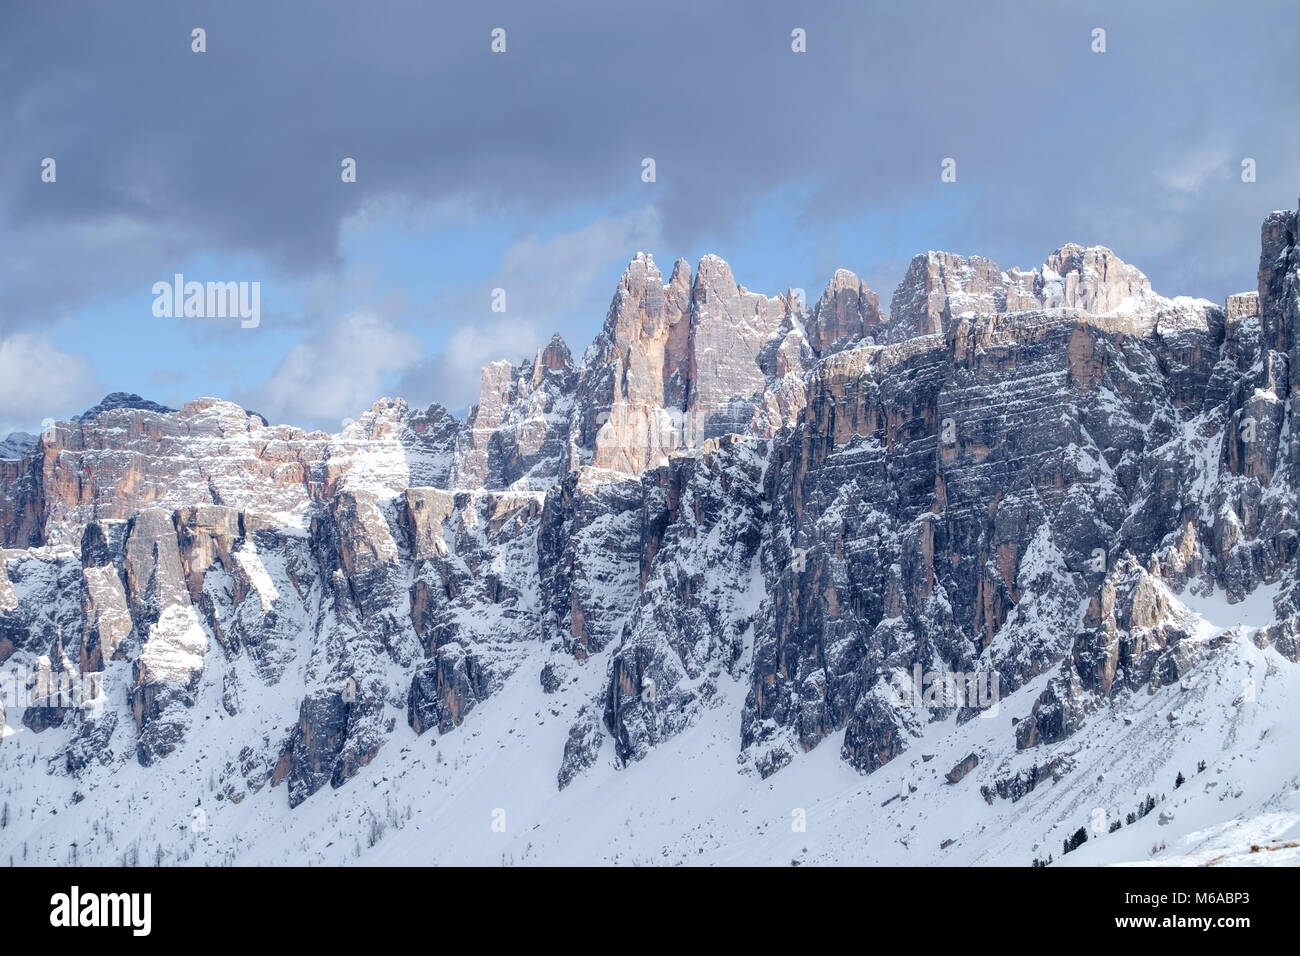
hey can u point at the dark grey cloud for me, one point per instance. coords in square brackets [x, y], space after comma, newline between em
[163, 153]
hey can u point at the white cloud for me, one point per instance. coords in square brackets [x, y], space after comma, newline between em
[1194, 168]
[551, 275]
[451, 377]
[38, 381]
[551, 285]
[337, 373]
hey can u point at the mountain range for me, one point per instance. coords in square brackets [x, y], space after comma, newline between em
[674, 601]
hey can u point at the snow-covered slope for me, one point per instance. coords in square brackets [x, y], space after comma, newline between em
[486, 794]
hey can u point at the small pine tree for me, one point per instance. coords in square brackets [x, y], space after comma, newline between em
[1179, 780]
[1079, 838]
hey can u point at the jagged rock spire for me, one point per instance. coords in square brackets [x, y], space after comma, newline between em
[847, 312]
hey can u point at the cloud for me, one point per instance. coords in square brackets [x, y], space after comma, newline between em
[551, 285]
[164, 154]
[39, 381]
[165, 377]
[1193, 169]
[335, 374]
[548, 277]
[451, 376]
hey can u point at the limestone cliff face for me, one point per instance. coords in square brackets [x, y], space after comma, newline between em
[518, 433]
[731, 501]
[212, 452]
[847, 313]
[636, 375]
[684, 361]
[940, 287]
[1278, 303]
[729, 327]
[955, 501]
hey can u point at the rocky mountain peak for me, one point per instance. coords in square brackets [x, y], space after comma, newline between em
[1093, 279]
[115, 400]
[846, 312]
[939, 285]
[681, 277]
[17, 445]
[713, 270]
[641, 309]
[555, 357]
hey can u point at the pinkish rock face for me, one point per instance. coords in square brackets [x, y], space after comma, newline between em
[729, 327]
[847, 312]
[940, 286]
[680, 362]
[636, 374]
[1094, 280]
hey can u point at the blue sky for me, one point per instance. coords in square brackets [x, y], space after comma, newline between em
[522, 170]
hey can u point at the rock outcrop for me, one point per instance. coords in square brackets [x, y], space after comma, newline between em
[847, 313]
